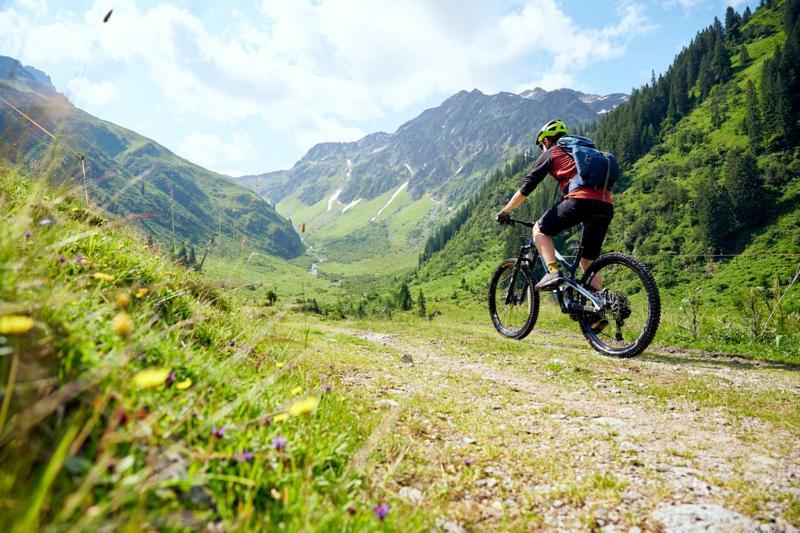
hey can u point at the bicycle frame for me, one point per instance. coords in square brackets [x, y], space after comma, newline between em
[528, 254]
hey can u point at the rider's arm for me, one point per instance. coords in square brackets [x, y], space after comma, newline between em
[540, 169]
[533, 178]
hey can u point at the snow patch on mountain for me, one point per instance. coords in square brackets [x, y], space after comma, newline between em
[351, 204]
[334, 197]
[389, 202]
[409, 169]
[349, 169]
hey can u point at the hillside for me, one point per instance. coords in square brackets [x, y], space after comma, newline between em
[368, 205]
[131, 175]
[712, 209]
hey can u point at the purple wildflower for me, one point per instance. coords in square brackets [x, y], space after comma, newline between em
[46, 222]
[62, 259]
[267, 421]
[381, 511]
[328, 387]
[171, 378]
[218, 432]
[279, 444]
[245, 456]
[80, 259]
[232, 343]
[468, 461]
[351, 509]
[28, 235]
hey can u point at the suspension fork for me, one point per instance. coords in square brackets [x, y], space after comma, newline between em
[510, 291]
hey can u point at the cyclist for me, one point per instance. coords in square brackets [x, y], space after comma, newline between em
[587, 205]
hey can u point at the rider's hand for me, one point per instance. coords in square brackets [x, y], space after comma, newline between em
[503, 217]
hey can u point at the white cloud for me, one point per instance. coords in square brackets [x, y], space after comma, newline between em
[316, 69]
[209, 150]
[38, 7]
[84, 92]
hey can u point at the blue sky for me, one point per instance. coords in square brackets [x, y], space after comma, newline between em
[248, 87]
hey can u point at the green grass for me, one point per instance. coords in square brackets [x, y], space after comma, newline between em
[77, 430]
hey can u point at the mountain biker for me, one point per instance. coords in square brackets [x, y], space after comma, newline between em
[587, 205]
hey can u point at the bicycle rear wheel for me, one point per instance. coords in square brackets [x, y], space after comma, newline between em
[632, 306]
[515, 319]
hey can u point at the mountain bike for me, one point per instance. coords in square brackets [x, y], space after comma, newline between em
[616, 288]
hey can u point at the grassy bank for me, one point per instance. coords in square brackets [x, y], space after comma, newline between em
[135, 393]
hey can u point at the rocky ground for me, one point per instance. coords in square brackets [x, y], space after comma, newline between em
[484, 433]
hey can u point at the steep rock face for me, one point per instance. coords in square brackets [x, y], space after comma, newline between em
[445, 151]
[130, 174]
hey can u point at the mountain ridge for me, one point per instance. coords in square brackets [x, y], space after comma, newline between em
[134, 175]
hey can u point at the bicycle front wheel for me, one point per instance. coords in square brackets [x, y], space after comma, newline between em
[513, 309]
[632, 306]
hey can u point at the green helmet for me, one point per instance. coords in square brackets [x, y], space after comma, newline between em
[551, 129]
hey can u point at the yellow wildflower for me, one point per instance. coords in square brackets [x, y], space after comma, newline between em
[296, 391]
[122, 299]
[122, 324]
[304, 407]
[141, 293]
[183, 385]
[151, 377]
[280, 364]
[283, 417]
[103, 277]
[15, 324]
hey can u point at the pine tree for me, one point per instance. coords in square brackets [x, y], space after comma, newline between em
[404, 297]
[744, 55]
[191, 258]
[752, 118]
[721, 61]
[745, 189]
[181, 257]
[714, 214]
[732, 24]
[421, 310]
[746, 15]
[718, 114]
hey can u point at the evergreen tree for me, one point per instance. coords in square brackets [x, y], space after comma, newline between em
[404, 297]
[744, 55]
[714, 214]
[721, 61]
[191, 258]
[718, 114]
[745, 189]
[181, 257]
[746, 15]
[732, 23]
[752, 118]
[421, 310]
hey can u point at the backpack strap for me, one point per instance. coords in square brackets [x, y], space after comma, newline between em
[608, 174]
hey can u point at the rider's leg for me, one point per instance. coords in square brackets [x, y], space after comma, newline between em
[597, 280]
[544, 243]
[558, 218]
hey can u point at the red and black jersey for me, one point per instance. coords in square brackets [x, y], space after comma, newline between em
[559, 164]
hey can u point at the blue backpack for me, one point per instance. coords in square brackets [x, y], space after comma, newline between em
[596, 169]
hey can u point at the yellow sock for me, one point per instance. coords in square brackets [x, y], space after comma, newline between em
[552, 266]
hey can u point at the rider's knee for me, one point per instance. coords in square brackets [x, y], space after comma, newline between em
[536, 230]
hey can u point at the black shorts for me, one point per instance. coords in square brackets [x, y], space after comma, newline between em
[594, 214]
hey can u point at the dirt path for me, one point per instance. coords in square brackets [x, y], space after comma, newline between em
[543, 443]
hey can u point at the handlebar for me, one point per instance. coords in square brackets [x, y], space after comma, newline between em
[513, 221]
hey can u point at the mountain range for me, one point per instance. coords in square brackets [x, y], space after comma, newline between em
[369, 204]
[127, 174]
[444, 151]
